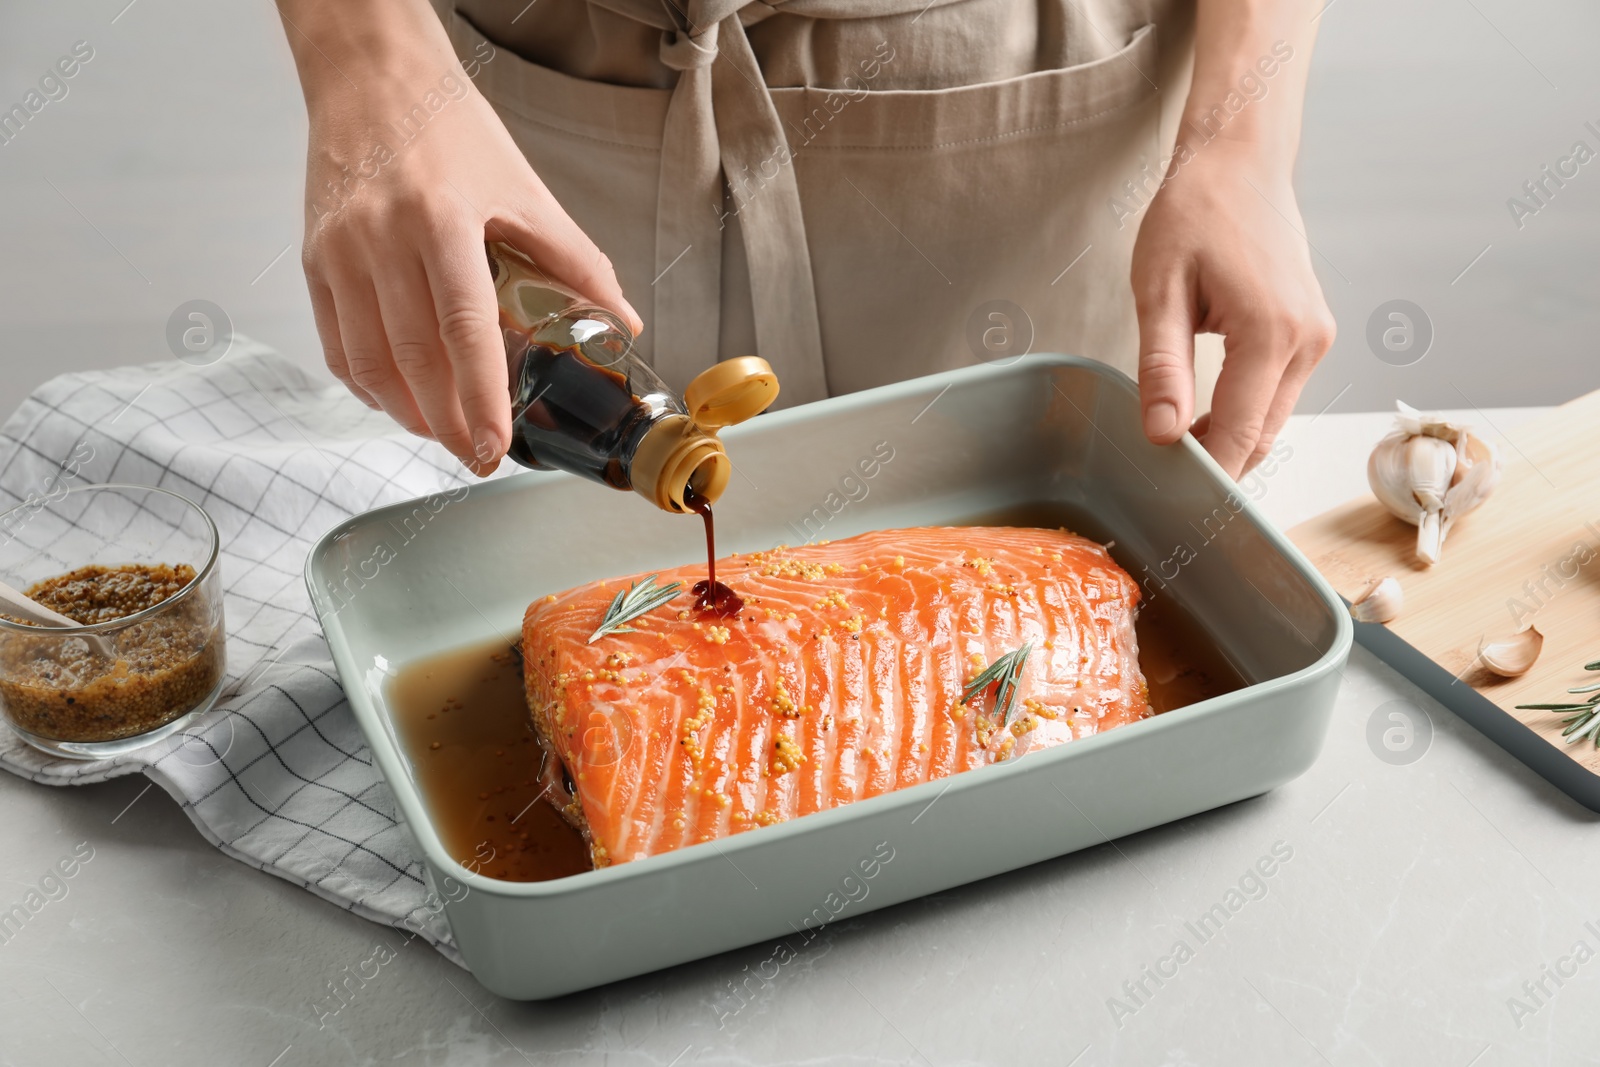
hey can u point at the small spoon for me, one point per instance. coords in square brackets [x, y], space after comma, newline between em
[13, 602]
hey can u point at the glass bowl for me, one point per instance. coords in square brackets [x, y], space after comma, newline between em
[137, 567]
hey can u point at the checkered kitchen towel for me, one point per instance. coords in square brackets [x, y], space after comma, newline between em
[278, 774]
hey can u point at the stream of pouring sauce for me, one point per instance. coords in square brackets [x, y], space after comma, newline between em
[711, 597]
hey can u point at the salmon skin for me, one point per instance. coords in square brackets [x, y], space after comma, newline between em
[842, 678]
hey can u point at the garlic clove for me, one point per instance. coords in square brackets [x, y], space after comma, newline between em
[1512, 656]
[1381, 601]
[1386, 473]
[1430, 465]
[1476, 475]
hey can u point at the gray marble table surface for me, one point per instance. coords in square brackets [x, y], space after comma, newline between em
[1437, 911]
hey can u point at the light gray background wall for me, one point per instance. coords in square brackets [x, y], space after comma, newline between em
[172, 171]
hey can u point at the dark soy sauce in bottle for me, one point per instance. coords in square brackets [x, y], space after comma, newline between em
[575, 414]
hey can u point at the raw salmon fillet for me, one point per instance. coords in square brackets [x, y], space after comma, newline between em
[841, 679]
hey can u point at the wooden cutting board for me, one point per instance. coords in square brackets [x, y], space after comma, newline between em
[1530, 553]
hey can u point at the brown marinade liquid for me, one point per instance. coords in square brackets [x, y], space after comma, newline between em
[571, 413]
[711, 597]
[1181, 662]
[463, 721]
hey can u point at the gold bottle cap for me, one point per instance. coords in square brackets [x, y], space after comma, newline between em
[674, 456]
[731, 392]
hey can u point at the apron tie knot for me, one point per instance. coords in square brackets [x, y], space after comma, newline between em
[689, 51]
[722, 121]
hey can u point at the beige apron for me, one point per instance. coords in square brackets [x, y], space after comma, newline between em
[860, 191]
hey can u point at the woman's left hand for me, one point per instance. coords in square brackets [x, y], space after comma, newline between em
[1222, 250]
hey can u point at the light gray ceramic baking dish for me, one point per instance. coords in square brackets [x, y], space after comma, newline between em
[967, 442]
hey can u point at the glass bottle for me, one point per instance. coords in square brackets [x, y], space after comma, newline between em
[583, 401]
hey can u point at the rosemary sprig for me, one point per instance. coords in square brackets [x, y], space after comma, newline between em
[1585, 720]
[1003, 673]
[636, 600]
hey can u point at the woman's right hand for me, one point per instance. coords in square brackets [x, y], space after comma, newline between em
[408, 173]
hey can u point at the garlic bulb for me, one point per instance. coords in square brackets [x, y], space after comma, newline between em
[1380, 602]
[1430, 472]
[1512, 655]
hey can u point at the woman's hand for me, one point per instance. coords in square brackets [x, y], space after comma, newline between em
[1222, 247]
[1221, 251]
[408, 172]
